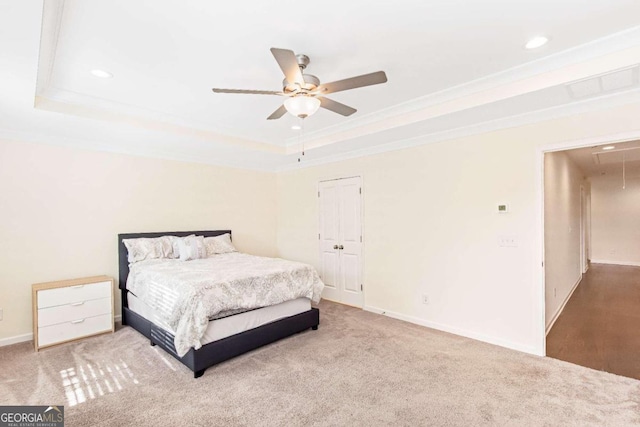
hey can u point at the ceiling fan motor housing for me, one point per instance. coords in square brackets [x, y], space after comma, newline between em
[311, 83]
[303, 61]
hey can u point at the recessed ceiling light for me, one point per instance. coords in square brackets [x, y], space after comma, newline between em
[608, 147]
[536, 42]
[102, 74]
[296, 127]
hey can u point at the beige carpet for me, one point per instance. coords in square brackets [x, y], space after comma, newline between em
[358, 369]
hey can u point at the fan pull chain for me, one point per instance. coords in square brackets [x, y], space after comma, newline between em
[300, 140]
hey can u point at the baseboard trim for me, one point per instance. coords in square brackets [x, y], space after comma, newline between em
[627, 263]
[15, 340]
[564, 303]
[29, 337]
[457, 331]
[342, 303]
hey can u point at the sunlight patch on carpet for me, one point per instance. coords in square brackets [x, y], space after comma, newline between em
[91, 381]
[164, 359]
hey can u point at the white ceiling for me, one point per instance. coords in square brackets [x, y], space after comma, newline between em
[453, 67]
[594, 161]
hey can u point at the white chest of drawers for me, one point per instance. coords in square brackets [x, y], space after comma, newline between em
[71, 309]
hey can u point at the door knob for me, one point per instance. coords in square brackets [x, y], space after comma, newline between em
[340, 247]
[335, 246]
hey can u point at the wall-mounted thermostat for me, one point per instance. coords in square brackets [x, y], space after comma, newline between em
[503, 208]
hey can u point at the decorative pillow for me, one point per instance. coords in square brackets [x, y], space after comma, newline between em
[167, 244]
[174, 241]
[219, 245]
[192, 247]
[145, 248]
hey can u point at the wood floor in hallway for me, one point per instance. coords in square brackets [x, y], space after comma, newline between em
[600, 325]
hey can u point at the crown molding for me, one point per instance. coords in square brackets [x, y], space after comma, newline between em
[600, 56]
[257, 164]
[69, 102]
[557, 112]
[96, 145]
[52, 11]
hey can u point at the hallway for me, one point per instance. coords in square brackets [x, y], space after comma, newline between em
[600, 325]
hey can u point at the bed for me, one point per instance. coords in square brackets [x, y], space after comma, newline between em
[221, 341]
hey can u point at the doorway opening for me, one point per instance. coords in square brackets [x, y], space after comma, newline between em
[592, 256]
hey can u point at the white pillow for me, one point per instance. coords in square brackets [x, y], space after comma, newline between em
[192, 247]
[145, 248]
[175, 245]
[219, 245]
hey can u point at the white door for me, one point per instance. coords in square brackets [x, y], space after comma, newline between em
[341, 240]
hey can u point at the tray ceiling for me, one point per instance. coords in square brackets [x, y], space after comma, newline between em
[447, 71]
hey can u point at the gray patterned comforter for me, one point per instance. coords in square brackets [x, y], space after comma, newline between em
[186, 294]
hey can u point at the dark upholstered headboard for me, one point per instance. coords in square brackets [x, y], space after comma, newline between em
[123, 263]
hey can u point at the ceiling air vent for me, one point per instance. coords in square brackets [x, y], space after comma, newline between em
[603, 84]
[622, 79]
[616, 156]
[585, 88]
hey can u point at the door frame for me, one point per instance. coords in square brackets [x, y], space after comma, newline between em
[615, 138]
[585, 227]
[583, 230]
[362, 225]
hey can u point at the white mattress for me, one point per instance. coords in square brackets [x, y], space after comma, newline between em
[227, 326]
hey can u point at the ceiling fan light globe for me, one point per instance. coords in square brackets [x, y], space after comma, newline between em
[302, 106]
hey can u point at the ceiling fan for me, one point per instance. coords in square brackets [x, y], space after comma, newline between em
[304, 92]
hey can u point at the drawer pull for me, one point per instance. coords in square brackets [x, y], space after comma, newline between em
[77, 321]
[75, 304]
[77, 286]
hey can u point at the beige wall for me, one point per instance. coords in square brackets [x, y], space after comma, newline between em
[62, 209]
[562, 182]
[430, 221]
[431, 227]
[615, 220]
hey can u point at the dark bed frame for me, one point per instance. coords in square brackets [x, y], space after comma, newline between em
[218, 351]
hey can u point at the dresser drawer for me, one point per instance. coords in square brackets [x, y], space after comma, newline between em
[67, 310]
[73, 294]
[66, 331]
[74, 311]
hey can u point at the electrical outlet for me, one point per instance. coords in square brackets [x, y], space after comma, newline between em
[0, 314]
[508, 241]
[425, 299]
[555, 292]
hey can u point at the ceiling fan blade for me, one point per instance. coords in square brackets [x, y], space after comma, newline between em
[247, 92]
[289, 64]
[278, 113]
[353, 82]
[336, 107]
